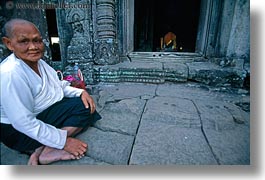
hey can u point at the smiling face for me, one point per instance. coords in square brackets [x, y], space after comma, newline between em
[25, 41]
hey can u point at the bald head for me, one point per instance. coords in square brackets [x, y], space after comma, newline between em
[24, 39]
[8, 29]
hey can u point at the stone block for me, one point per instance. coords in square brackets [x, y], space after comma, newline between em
[122, 116]
[231, 147]
[141, 64]
[186, 91]
[109, 147]
[174, 111]
[176, 72]
[83, 161]
[214, 75]
[12, 157]
[159, 143]
[215, 115]
[128, 90]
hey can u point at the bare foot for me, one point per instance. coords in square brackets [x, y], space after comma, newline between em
[34, 158]
[75, 146]
[49, 155]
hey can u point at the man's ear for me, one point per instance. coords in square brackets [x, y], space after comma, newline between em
[7, 43]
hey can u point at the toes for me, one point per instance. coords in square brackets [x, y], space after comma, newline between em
[73, 157]
[79, 156]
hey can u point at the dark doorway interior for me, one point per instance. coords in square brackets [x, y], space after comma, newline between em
[153, 19]
[53, 34]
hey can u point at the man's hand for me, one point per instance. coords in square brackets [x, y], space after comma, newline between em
[88, 101]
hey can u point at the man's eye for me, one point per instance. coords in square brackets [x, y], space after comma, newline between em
[24, 42]
[37, 41]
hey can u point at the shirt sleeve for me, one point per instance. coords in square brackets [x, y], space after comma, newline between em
[18, 104]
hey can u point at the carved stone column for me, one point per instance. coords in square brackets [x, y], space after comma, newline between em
[106, 46]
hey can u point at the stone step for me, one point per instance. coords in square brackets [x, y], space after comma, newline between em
[150, 71]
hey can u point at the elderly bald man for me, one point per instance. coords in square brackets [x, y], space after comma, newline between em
[40, 114]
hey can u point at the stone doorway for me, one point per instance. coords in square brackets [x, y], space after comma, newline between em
[53, 34]
[152, 21]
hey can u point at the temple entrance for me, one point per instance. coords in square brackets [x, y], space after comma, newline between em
[53, 34]
[153, 20]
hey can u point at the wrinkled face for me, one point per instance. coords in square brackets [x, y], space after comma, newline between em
[26, 42]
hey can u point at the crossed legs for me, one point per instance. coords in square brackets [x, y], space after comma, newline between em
[67, 111]
[47, 155]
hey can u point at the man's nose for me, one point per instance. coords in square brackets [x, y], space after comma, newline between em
[32, 46]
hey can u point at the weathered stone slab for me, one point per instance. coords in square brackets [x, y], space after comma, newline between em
[109, 147]
[128, 90]
[215, 115]
[84, 161]
[212, 74]
[122, 116]
[162, 144]
[134, 65]
[231, 147]
[187, 91]
[141, 64]
[239, 115]
[198, 91]
[176, 72]
[151, 72]
[12, 157]
[174, 111]
[227, 130]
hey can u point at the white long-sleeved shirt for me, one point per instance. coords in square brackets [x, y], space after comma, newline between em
[24, 94]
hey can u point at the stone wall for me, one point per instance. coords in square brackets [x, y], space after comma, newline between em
[88, 35]
[239, 40]
[99, 36]
[226, 25]
[223, 43]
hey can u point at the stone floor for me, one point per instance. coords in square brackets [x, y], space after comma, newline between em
[163, 124]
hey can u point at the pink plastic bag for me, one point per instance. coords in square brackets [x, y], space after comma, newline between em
[74, 82]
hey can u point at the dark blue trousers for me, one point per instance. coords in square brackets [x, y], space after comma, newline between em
[69, 112]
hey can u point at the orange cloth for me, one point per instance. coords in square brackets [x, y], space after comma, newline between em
[169, 37]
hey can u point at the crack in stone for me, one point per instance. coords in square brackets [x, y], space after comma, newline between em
[113, 131]
[128, 162]
[204, 134]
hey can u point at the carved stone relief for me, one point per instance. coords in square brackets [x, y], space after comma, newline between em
[80, 47]
[106, 53]
[3, 49]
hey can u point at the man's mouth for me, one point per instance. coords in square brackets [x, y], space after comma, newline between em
[34, 53]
